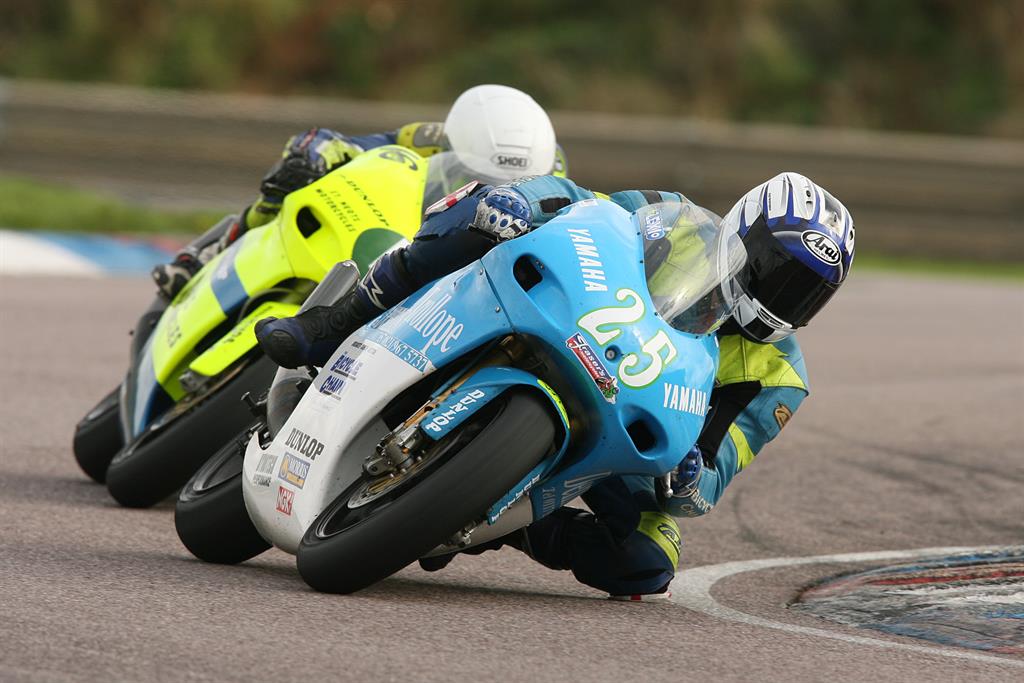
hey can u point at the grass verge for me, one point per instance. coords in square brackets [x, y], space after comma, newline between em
[939, 267]
[32, 204]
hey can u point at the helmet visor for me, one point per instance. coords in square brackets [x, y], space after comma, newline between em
[448, 171]
[690, 263]
[779, 281]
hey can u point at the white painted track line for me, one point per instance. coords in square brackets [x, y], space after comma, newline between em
[692, 589]
[25, 254]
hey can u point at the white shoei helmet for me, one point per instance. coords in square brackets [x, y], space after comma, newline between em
[503, 129]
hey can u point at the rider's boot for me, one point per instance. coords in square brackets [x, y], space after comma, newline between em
[516, 539]
[312, 336]
[631, 569]
[171, 278]
[544, 541]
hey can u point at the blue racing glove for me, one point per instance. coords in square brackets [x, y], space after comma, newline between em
[685, 476]
[503, 214]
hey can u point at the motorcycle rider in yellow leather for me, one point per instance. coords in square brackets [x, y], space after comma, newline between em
[494, 122]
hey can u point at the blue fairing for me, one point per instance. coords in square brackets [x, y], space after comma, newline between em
[579, 294]
[144, 392]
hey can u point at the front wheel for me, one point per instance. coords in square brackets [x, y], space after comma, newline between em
[210, 516]
[98, 437]
[372, 530]
[152, 468]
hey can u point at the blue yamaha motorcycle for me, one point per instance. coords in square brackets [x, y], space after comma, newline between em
[484, 401]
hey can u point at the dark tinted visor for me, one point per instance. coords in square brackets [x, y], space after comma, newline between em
[783, 285]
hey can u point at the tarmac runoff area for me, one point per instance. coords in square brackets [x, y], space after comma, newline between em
[907, 449]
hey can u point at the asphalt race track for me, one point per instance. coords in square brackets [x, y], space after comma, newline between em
[910, 440]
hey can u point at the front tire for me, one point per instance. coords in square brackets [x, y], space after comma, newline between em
[146, 472]
[347, 549]
[210, 516]
[98, 437]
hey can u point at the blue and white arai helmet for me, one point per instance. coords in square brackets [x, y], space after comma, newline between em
[799, 241]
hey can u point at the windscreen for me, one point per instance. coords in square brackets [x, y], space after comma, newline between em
[690, 260]
[448, 171]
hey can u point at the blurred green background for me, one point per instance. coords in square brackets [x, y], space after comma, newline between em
[917, 65]
[160, 115]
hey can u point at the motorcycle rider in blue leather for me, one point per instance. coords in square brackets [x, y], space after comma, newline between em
[800, 244]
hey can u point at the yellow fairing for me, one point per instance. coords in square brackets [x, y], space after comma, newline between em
[364, 208]
[357, 212]
[239, 340]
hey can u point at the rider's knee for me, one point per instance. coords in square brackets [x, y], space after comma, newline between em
[645, 562]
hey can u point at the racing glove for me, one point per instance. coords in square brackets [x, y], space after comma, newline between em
[683, 479]
[306, 157]
[503, 214]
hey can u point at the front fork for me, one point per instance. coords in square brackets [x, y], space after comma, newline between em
[451, 405]
[401, 448]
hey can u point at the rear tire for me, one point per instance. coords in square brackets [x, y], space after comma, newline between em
[347, 549]
[210, 516]
[98, 437]
[153, 468]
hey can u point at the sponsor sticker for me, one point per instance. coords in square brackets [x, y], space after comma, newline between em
[821, 246]
[438, 328]
[332, 387]
[516, 161]
[654, 228]
[685, 399]
[442, 416]
[552, 498]
[512, 498]
[671, 534]
[284, 500]
[782, 414]
[264, 473]
[346, 214]
[293, 470]
[400, 349]
[401, 156]
[173, 328]
[346, 366]
[584, 352]
[304, 444]
[591, 266]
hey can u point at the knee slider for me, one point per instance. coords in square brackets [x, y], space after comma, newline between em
[645, 562]
[661, 530]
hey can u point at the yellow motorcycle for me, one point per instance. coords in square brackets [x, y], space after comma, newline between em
[193, 359]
